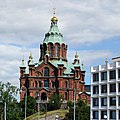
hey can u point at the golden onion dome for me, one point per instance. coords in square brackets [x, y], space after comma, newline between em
[53, 19]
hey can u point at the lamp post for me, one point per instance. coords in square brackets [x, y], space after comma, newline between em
[5, 111]
[25, 99]
[74, 101]
[38, 101]
[46, 111]
[105, 116]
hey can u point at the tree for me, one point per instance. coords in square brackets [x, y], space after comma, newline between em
[82, 111]
[55, 101]
[7, 95]
[31, 106]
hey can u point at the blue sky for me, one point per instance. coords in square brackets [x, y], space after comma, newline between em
[89, 27]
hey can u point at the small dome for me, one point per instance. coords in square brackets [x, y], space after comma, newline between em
[53, 19]
[76, 56]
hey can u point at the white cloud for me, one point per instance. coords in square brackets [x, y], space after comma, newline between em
[23, 24]
[81, 21]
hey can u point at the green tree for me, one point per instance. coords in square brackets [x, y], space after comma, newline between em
[8, 95]
[55, 101]
[31, 106]
[82, 111]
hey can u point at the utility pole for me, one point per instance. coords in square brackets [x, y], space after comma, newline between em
[74, 101]
[5, 110]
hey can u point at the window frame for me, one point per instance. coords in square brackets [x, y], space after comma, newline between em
[95, 77]
[112, 74]
[104, 76]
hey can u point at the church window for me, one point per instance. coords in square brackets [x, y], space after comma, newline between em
[46, 71]
[51, 50]
[60, 71]
[57, 51]
[53, 84]
[46, 83]
[40, 84]
[66, 84]
[35, 83]
[76, 74]
[66, 95]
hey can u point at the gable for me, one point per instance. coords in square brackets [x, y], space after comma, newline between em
[41, 68]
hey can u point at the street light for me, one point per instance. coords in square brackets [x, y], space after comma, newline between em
[25, 99]
[46, 110]
[56, 117]
[74, 101]
[38, 101]
[105, 116]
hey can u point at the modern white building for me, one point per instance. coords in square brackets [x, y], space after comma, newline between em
[105, 91]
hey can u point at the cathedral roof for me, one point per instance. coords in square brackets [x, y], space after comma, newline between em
[67, 65]
[53, 35]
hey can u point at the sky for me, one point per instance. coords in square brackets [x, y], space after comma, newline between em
[90, 27]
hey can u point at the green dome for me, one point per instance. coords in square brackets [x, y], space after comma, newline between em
[53, 35]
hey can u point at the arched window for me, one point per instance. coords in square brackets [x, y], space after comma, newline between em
[53, 84]
[60, 71]
[51, 50]
[43, 96]
[57, 50]
[46, 83]
[35, 83]
[40, 85]
[46, 71]
[66, 96]
[76, 73]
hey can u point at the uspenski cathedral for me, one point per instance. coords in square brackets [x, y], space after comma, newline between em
[52, 73]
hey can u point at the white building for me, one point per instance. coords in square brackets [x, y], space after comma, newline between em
[105, 91]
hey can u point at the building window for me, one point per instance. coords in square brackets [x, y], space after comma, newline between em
[103, 114]
[40, 85]
[119, 101]
[112, 87]
[112, 101]
[57, 51]
[95, 102]
[66, 96]
[104, 101]
[103, 88]
[46, 83]
[51, 50]
[76, 75]
[53, 84]
[95, 115]
[113, 114]
[95, 89]
[60, 71]
[119, 87]
[95, 77]
[112, 74]
[35, 83]
[119, 73]
[103, 76]
[46, 71]
[119, 114]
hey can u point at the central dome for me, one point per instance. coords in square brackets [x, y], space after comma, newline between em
[53, 35]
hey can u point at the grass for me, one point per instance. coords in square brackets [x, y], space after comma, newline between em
[60, 112]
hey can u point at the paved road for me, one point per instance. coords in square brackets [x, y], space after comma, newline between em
[52, 117]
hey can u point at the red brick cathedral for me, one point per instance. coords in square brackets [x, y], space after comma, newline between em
[52, 73]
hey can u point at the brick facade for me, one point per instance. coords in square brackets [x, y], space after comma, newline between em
[52, 73]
